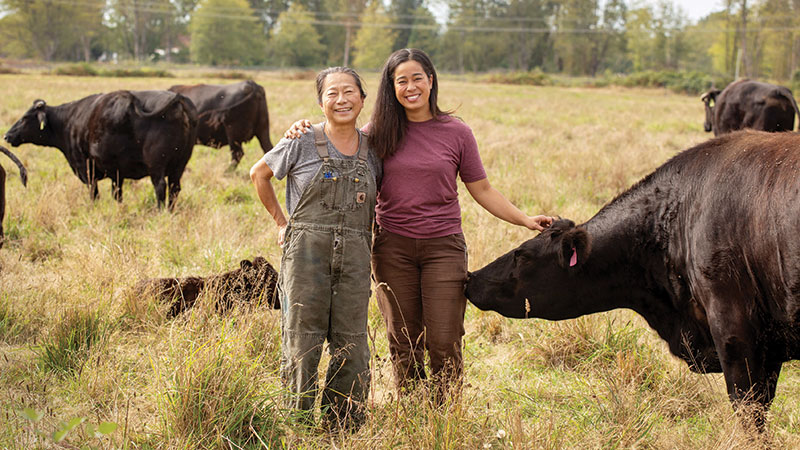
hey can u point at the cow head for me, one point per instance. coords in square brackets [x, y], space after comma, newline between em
[528, 281]
[708, 98]
[32, 127]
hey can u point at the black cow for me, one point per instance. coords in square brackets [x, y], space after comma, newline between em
[252, 281]
[230, 115]
[705, 249]
[119, 135]
[749, 104]
[22, 174]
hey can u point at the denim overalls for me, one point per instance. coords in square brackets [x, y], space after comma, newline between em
[325, 285]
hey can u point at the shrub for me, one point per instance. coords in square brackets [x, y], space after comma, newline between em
[692, 83]
[229, 75]
[77, 70]
[123, 73]
[533, 77]
[8, 70]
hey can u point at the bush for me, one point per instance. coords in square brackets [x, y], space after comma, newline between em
[87, 70]
[8, 70]
[692, 83]
[533, 77]
[229, 75]
[78, 70]
[151, 73]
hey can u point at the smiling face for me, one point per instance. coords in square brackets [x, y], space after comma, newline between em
[341, 99]
[412, 87]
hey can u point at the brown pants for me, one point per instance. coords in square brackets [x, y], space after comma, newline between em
[421, 295]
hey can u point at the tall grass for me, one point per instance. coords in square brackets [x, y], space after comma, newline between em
[67, 349]
[215, 395]
[210, 380]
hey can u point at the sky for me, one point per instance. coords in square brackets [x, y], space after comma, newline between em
[697, 9]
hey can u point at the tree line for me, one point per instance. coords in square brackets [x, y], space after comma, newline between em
[756, 38]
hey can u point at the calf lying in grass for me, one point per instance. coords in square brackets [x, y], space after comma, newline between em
[252, 282]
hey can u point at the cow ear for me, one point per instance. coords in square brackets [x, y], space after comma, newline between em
[41, 116]
[575, 248]
[245, 264]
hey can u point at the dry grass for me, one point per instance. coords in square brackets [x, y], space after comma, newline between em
[205, 380]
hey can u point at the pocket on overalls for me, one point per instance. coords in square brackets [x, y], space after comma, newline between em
[355, 192]
[329, 189]
[290, 241]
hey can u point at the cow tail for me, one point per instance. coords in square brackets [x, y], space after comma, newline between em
[23, 173]
[262, 127]
[191, 121]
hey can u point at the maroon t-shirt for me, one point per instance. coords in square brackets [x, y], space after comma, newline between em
[418, 196]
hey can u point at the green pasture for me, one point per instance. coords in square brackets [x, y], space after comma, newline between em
[75, 343]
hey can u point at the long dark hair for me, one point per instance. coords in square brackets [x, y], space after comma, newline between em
[389, 122]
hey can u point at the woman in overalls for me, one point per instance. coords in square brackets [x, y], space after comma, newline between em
[324, 282]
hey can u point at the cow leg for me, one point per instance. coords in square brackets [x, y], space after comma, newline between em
[237, 153]
[174, 189]
[160, 186]
[116, 187]
[93, 191]
[748, 377]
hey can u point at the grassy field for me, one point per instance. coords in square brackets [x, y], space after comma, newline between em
[76, 344]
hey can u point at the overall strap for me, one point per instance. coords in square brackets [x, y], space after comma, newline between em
[363, 151]
[321, 141]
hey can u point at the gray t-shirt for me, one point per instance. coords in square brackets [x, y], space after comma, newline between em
[298, 160]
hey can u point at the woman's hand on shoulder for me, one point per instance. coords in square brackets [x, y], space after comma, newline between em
[539, 223]
[298, 129]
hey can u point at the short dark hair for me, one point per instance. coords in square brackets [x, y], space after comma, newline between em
[388, 123]
[324, 74]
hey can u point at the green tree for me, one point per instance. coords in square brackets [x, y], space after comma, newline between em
[656, 37]
[424, 33]
[375, 40]
[778, 19]
[535, 46]
[576, 21]
[51, 29]
[137, 24]
[338, 33]
[608, 49]
[226, 32]
[295, 41]
[718, 39]
[640, 38]
[404, 14]
[475, 38]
